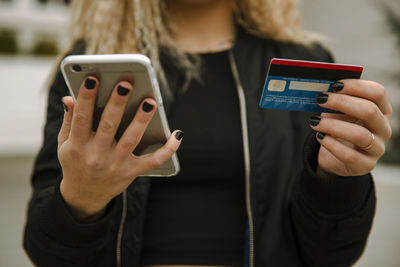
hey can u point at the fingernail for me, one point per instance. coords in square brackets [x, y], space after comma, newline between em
[320, 135]
[147, 107]
[322, 98]
[65, 106]
[337, 87]
[179, 135]
[122, 91]
[90, 83]
[314, 120]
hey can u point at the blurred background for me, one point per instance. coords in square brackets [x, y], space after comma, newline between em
[33, 32]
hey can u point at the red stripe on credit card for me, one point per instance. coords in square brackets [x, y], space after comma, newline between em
[320, 65]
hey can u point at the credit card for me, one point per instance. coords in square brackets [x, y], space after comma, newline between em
[294, 84]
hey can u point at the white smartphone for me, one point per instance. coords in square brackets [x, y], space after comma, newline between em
[135, 68]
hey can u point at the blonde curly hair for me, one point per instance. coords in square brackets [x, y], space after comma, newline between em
[142, 26]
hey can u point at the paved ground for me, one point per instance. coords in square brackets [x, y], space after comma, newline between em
[383, 248]
[14, 194]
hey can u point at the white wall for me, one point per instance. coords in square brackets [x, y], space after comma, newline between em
[22, 103]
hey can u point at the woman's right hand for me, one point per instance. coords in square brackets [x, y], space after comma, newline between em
[95, 167]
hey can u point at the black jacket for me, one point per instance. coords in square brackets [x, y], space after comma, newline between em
[299, 219]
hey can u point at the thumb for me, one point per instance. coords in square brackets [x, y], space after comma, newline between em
[68, 104]
[155, 159]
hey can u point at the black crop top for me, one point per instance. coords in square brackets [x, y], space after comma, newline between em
[198, 217]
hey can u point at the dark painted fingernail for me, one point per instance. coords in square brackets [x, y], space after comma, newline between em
[337, 87]
[147, 107]
[123, 91]
[314, 120]
[179, 135]
[320, 135]
[65, 106]
[322, 98]
[90, 83]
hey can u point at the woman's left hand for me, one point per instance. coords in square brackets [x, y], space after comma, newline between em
[352, 142]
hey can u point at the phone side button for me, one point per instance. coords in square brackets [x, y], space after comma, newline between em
[160, 101]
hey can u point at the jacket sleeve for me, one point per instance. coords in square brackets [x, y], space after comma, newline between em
[52, 237]
[331, 216]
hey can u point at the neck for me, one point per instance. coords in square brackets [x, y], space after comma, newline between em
[202, 25]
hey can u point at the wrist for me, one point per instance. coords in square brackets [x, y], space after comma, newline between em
[83, 209]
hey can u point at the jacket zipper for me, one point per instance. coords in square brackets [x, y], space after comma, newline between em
[246, 154]
[121, 228]
[246, 151]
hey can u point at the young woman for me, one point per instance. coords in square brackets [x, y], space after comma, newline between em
[257, 187]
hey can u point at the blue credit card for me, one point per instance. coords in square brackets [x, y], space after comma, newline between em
[294, 84]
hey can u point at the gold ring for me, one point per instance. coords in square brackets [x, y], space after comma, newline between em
[370, 143]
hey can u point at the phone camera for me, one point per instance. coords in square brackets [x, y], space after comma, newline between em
[76, 68]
